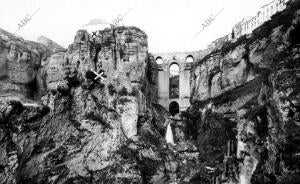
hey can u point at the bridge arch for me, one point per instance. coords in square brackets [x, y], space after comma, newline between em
[174, 108]
[174, 71]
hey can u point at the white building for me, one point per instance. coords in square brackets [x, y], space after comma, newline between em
[247, 25]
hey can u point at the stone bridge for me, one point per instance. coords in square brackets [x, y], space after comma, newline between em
[174, 72]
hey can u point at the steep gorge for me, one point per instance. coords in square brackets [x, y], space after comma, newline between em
[89, 114]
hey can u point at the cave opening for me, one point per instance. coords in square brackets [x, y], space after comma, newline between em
[174, 108]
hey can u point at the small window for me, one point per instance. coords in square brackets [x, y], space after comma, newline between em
[159, 60]
[189, 59]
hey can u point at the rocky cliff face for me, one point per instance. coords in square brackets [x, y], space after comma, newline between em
[253, 85]
[91, 118]
[50, 44]
[88, 114]
[19, 64]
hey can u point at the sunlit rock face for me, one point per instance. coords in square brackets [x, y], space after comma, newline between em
[54, 72]
[63, 68]
[251, 84]
[19, 63]
[123, 55]
[50, 44]
[218, 73]
[79, 53]
[127, 62]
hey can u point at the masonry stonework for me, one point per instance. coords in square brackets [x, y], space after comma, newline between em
[185, 62]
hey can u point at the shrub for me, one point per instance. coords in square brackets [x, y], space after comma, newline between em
[134, 91]
[111, 89]
[123, 91]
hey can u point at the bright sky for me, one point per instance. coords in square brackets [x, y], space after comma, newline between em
[171, 25]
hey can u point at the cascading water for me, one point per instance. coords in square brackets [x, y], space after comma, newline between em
[169, 135]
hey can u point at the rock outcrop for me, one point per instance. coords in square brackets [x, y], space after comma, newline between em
[89, 114]
[55, 47]
[253, 85]
[19, 64]
[93, 118]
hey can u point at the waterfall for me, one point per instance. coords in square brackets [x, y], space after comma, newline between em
[169, 135]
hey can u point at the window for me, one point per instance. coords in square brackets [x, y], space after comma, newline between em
[174, 81]
[159, 60]
[189, 59]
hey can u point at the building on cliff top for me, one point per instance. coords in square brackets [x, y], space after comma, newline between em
[248, 24]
